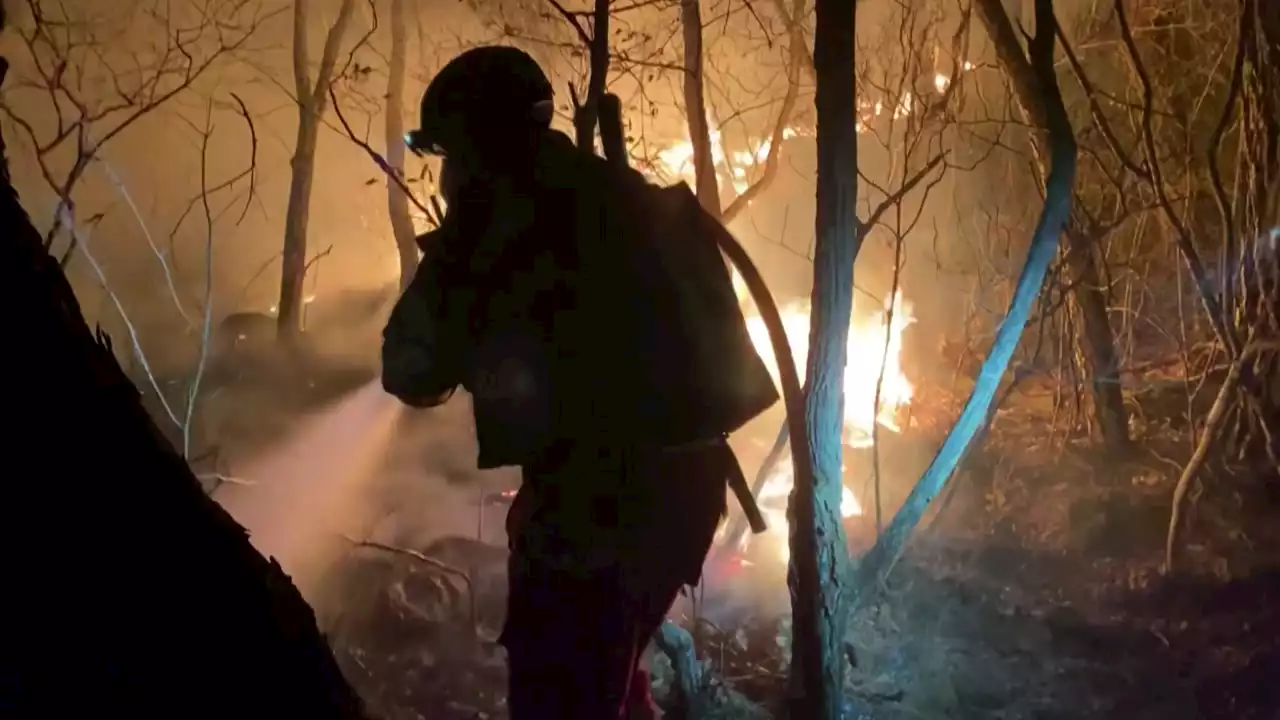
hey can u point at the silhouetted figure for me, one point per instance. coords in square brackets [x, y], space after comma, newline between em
[527, 296]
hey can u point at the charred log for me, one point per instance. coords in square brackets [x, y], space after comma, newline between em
[134, 593]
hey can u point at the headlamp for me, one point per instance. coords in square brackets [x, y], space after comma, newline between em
[420, 144]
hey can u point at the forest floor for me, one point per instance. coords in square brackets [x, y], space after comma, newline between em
[1035, 592]
[1032, 591]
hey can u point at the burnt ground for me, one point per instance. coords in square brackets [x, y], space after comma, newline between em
[1035, 593]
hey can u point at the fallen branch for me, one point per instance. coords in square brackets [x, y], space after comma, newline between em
[434, 564]
[1212, 424]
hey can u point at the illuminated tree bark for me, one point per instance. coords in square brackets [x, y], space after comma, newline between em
[133, 593]
[311, 96]
[1059, 184]
[1095, 338]
[818, 549]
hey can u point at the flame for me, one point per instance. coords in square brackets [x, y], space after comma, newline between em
[875, 340]
[676, 160]
[869, 344]
[773, 505]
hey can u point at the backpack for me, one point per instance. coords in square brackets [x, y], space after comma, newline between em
[701, 378]
[614, 324]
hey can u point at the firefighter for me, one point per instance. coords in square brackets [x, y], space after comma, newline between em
[603, 535]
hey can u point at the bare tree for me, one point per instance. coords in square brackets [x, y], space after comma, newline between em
[312, 96]
[1151, 150]
[1096, 338]
[797, 58]
[819, 553]
[911, 131]
[182, 415]
[397, 198]
[595, 38]
[695, 108]
[95, 95]
[1060, 142]
[225, 605]
[142, 54]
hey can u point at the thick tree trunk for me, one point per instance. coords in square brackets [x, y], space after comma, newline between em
[397, 201]
[1096, 339]
[819, 554]
[130, 593]
[311, 100]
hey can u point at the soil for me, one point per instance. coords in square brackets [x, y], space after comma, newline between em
[1036, 593]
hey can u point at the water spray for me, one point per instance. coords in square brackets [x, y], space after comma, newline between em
[313, 489]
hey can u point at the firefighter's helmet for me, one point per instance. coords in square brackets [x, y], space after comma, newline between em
[483, 94]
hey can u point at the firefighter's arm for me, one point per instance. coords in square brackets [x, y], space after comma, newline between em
[423, 347]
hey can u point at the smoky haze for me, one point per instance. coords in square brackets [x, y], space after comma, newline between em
[308, 460]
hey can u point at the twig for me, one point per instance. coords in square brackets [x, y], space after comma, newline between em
[220, 478]
[382, 163]
[431, 563]
[82, 241]
[1212, 424]
[316, 258]
[193, 390]
[146, 233]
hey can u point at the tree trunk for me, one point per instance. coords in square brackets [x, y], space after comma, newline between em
[312, 100]
[819, 553]
[586, 115]
[296, 219]
[1096, 339]
[397, 201]
[695, 108]
[1097, 342]
[1059, 184]
[136, 595]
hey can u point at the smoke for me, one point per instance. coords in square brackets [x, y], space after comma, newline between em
[309, 492]
[363, 467]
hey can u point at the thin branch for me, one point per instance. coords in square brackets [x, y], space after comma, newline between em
[83, 243]
[151, 243]
[382, 163]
